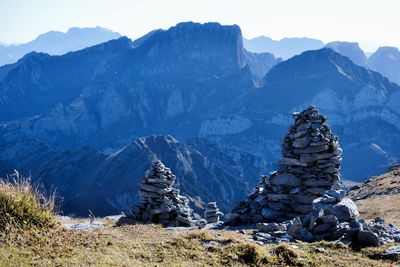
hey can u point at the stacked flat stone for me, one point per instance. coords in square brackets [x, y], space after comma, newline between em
[212, 213]
[303, 200]
[310, 164]
[160, 202]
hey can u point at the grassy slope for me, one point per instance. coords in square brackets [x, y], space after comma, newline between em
[151, 245]
[29, 236]
[373, 201]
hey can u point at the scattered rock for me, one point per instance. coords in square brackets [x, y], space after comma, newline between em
[83, 226]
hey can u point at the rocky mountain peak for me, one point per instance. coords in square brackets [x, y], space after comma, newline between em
[351, 50]
[219, 47]
[386, 60]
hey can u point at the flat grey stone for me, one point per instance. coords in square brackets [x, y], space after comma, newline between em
[314, 157]
[286, 179]
[292, 162]
[301, 142]
[311, 149]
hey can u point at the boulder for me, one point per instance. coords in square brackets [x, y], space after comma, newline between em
[344, 210]
[368, 238]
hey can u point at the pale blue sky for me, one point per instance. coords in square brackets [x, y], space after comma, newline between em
[371, 22]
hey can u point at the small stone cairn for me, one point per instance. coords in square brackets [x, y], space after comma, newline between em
[303, 199]
[160, 202]
[212, 213]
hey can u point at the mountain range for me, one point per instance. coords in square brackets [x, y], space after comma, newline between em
[88, 179]
[284, 48]
[386, 60]
[83, 113]
[57, 43]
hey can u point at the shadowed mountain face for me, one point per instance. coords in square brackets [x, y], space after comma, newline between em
[386, 60]
[87, 179]
[284, 48]
[195, 82]
[57, 43]
[107, 94]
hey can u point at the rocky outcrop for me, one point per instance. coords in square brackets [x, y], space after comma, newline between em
[160, 202]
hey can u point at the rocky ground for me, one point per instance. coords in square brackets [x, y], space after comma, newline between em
[379, 196]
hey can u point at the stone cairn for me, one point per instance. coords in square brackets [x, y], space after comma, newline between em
[212, 213]
[303, 199]
[160, 202]
[309, 167]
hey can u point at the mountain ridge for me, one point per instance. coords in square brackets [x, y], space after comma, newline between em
[57, 43]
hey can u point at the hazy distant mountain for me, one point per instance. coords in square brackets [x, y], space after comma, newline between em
[284, 48]
[351, 50]
[386, 60]
[260, 64]
[87, 179]
[196, 81]
[57, 43]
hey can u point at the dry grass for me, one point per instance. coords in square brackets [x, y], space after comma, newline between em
[32, 239]
[22, 206]
[151, 245]
[377, 197]
[387, 207]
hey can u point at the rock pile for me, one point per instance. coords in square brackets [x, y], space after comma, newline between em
[303, 199]
[160, 202]
[321, 226]
[212, 213]
[310, 163]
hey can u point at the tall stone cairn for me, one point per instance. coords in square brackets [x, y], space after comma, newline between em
[160, 202]
[310, 163]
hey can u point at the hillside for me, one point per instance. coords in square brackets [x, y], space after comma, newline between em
[151, 245]
[379, 196]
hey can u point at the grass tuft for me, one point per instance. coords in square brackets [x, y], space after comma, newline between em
[286, 255]
[22, 206]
